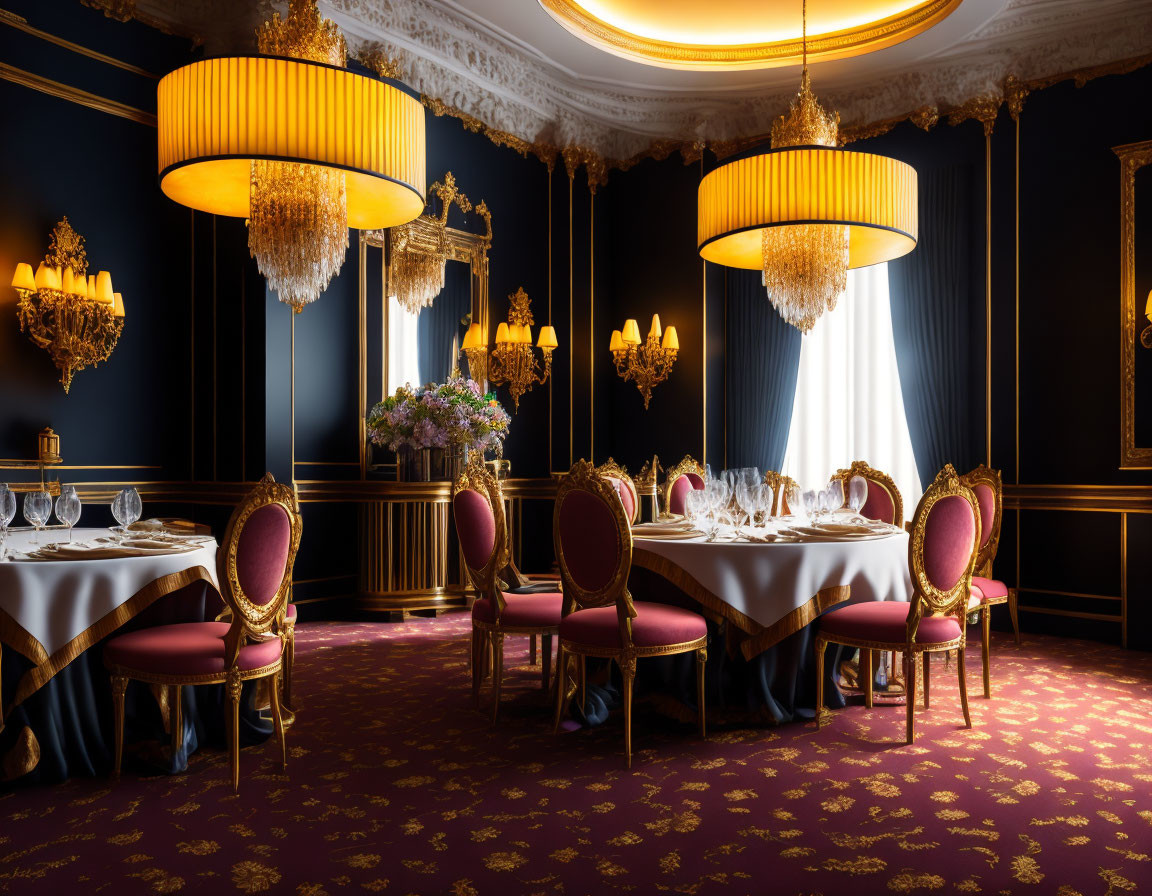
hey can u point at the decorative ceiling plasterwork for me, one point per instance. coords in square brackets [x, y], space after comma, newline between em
[503, 86]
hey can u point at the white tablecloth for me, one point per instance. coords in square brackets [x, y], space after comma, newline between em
[54, 602]
[772, 583]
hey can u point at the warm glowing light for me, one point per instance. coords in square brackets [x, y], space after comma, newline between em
[617, 343]
[654, 330]
[671, 340]
[502, 335]
[631, 332]
[24, 278]
[547, 338]
[118, 305]
[473, 338]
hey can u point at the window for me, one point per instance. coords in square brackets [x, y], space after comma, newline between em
[403, 353]
[848, 403]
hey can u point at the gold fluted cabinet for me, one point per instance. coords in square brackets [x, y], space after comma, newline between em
[409, 555]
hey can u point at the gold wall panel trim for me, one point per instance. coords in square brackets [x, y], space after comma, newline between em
[21, 24]
[1088, 498]
[75, 95]
[840, 44]
[1074, 614]
[988, 297]
[1133, 157]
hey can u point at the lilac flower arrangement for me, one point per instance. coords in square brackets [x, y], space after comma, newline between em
[447, 415]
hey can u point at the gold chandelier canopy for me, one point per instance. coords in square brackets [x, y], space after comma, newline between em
[807, 211]
[296, 144]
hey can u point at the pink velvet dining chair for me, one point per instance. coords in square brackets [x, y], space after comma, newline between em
[478, 511]
[941, 555]
[254, 567]
[681, 479]
[987, 592]
[883, 502]
[594, 548]
[625, 487]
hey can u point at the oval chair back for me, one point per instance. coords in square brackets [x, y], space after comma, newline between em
[593, 542]
[884, 502]
[988, 487]
[478, 511]
[680, 480]
[942, 550]
[254, 564]
[626, 488]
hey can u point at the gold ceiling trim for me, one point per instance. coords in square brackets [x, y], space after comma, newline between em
[21, 24]
[841, 44]
[75, 95]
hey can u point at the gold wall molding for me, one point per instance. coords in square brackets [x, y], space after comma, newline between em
[75, 95]
[21, 24]
[1133, 157]
[1091, 498]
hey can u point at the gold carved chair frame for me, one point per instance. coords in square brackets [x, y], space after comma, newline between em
[874, 477]
[688, 465]
[613, 470]
[1133, 330]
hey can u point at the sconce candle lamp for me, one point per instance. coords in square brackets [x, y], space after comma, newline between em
[512, 360]
[1146, 334]
[648, 363]
[73, 315]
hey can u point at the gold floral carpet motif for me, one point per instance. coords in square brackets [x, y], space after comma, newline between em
[396, 784]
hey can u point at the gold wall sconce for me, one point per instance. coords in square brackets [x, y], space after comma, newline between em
[1146, 334]
[648, 363]
[73, 315]
[511, 360]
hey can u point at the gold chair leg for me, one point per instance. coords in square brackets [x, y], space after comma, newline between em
[926, 665]
[234, 686]
[582, 678]
[821, 644]
[278, 720]
[866, 675]
[701, 661]
[119, 686]
[628, 674]
[497, 671]
[985, 647]
[479, 650]
[910, 671]
[289, 662]
[176, 717]
[531, 650]
[1012, 595]
[546, 662]
[561, 686]
[963, 687]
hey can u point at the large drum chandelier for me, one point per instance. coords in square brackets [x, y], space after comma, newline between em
[806, 211]
[297, 144]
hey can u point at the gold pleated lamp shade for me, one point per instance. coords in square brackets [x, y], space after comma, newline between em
[216, 117]
[873, 196]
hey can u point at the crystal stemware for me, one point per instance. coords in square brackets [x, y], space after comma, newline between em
[68, 508]
[37, 509]
[794, 498]
[7, 511]
[810, 503]
[126, 509]
[835, 489]
[857, 495]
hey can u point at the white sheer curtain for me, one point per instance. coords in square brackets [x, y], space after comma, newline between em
[848, 402]
[403, 352]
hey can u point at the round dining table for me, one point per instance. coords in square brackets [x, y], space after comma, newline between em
[760, 598]
[61, 596]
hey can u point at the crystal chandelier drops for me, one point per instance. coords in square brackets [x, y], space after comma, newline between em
[805, 265]
[298, 214]
[419, 249]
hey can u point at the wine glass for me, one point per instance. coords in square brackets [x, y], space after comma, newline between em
[857, 495]
[68, 508]
[835, 489]
[746, 499]
[7, 511]
[809, 499]
[130, 509]
[764, 495]
[37, 509]
[794, 498]
[694, 506]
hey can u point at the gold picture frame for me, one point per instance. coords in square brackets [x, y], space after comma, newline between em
[1133, 157]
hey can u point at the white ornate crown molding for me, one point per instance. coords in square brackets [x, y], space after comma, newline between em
[496, 82]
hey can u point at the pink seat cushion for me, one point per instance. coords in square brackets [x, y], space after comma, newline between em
[879, 504]
[291, 611]
[187, 648]
[655, 625]
[262, 553]
[986, 498]
[885, 620]
[627, 498]
[522, 609]
[475, 527]
[589, 540]
[949, 537]
[988, 588]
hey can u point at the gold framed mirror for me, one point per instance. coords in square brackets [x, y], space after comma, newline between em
[1135, 308]
[435, 281]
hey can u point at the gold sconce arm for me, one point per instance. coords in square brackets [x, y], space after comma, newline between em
[512, 360]
[646, 363]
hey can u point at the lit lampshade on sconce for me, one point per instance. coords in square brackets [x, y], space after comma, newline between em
[512, 360]
[75, 317]
[647, 362]
[24, 278]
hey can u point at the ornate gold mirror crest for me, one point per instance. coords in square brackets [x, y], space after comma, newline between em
[1136, 363]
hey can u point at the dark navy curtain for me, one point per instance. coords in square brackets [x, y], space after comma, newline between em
[763, 361]
[930, 295]
[440, 321]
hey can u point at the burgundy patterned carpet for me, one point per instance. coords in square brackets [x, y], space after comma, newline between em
[396, 785]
